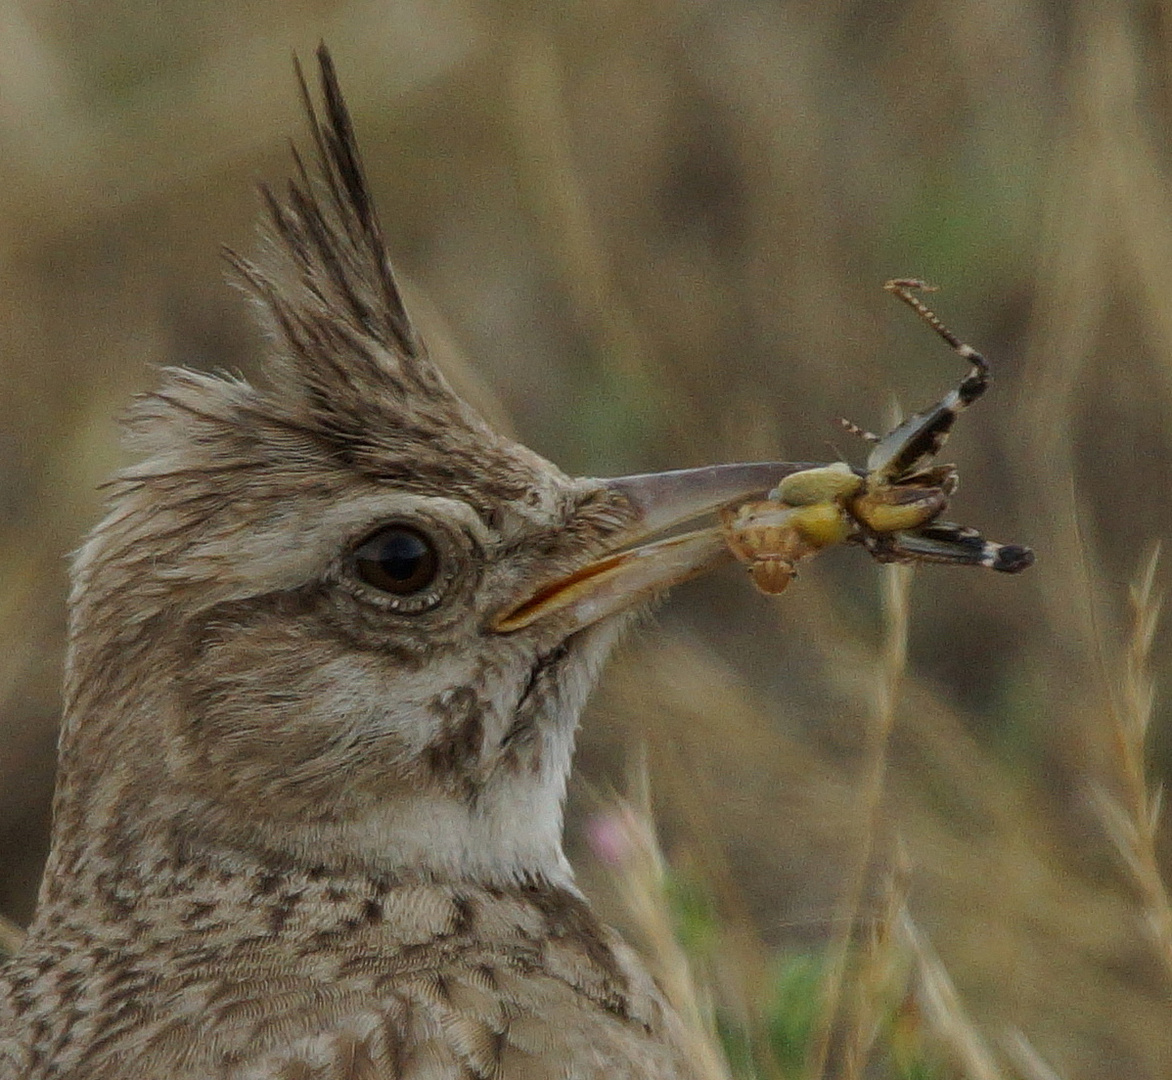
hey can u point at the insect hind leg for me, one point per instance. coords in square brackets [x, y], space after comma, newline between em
[862, 433]
[973, 385]
[957, 545]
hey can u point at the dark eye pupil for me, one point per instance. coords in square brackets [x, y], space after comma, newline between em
[398, 560]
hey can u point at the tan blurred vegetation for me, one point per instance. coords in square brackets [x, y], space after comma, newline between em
[653, 234]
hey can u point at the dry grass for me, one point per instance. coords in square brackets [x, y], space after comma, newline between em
[896, 593]
[624, 833]
[944, 1013]
[880, 977]
[903, 1014]
[1129, 809]
[657, 232]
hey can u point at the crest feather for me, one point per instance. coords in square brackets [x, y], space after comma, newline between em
[325, 280]
[350, 382]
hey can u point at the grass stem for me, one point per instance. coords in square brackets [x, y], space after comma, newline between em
[896, 587]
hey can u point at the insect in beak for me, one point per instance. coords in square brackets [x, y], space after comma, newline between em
[639, 561]
[892, 508]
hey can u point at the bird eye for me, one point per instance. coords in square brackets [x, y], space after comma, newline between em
[397, 559]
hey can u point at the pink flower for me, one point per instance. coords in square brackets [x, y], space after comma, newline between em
[613, 835]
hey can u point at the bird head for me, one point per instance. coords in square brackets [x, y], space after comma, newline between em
[334, 619]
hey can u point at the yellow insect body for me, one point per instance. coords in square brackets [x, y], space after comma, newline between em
[772, 576]
[771, 537]
[827, 483]
[888, 509]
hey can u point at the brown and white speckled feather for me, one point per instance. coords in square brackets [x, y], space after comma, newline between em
[300, 974]
[302, 831]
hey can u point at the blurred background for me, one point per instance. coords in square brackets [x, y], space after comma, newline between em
[652, 235]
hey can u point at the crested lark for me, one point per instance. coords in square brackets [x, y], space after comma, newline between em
[327, 655]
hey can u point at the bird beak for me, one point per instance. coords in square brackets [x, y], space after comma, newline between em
[632, 569]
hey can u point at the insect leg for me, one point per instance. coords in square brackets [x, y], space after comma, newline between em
[974, 384]
[862, 433]
[920, 437]
[944, 542]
